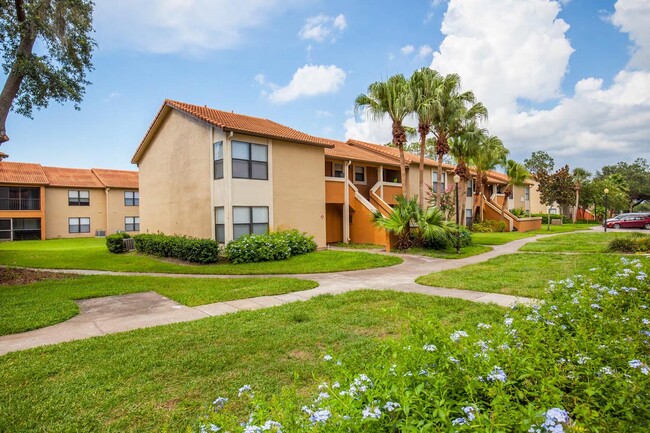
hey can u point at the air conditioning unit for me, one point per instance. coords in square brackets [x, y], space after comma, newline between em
[100, 233]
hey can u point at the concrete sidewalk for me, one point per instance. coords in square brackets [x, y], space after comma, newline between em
[111, 314]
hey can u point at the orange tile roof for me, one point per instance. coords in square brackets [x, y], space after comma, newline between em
[22, 173]
[343, 150]
[392, 152]
[229, 121]
[75, 177]
[117, 178]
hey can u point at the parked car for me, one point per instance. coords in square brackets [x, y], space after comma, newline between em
[630, 221]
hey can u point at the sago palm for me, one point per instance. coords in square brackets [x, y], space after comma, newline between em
[393, 98]
[517, 175]
[452, 111]
[400, 221]
[580, 176]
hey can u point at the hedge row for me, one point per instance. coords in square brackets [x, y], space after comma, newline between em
[634, 243]
[271, 246]
[178, 247]
[489, 226]
[115, 242]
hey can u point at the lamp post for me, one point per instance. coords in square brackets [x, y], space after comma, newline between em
[606, 191]
[456, 180]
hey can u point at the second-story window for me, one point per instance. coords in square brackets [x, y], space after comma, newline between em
[359, 174]
[131, 198]
[338, 169]
[218, 160]
[78, 198]
[527, 193]
[438, 185]
[17, 198]
[250, 161]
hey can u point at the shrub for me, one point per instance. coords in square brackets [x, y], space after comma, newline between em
[115, 242]
[178, 247]
[576, 362]
[489, 226]
[565, 220]
[521, 213]
[269, 247]
[633, 243]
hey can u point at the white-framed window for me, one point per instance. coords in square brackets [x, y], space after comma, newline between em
[337, 169]
[78, 198]
[360, 174]
[220, 224]
[249, 220]
[218, 160]
[527, 193]
[250, 161]
[131, 198]
[470, 187]
[468, 217]
[435, 184]
[132, 224]
[79, 225]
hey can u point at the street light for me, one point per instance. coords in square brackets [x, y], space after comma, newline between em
[606, 191]
[456, 180]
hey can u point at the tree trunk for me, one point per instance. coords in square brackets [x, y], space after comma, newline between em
[402, 170]
[462, 198]
[15, 77]
[423, 145]
[438, 192]
[575, 209]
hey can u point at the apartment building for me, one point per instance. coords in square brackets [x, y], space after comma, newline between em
[215, 174]
[39, 202]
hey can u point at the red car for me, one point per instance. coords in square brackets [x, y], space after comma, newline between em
[638, 221]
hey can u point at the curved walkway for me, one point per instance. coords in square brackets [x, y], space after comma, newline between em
[111, 314]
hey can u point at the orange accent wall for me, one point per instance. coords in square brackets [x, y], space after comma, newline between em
[390, 192]
[333, 223]
[334, 192]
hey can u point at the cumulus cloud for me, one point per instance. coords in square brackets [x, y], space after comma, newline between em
[425, 51]
[508, 52]
[407, 49]
[172, 26]
[322, 27]
[310, 80]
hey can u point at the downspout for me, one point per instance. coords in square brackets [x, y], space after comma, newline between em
[107, 189]
[346, 205]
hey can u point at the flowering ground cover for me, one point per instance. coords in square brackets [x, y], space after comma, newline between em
[522, 274]
[29, 306]
[577, 362]
[91, 253]
[166, 377]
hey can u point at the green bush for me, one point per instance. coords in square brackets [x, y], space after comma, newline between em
[270, 247]
[576, 362]
[565, 220]
[178, 247]
[489, 226]
[115, 242]
[633, 243]
[521, 213]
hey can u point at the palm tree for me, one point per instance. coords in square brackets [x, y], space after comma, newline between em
[580, 176]
[424, 83]
[463, 148]
[392, 97]
[517, 175]
[452, 110]
[489, 154]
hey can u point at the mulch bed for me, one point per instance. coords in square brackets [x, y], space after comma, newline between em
[18, 277]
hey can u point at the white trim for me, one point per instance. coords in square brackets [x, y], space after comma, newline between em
[334, 179]
[365, 174]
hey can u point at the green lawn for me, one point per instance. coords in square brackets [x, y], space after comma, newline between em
[91, 253]
[48, 302]
[515, 274]
[502, 238]
[595, 242]
[165, 377]
[450, 253]
[361, 246]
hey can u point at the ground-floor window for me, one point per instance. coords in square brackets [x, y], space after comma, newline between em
[132, 224]
[5, 230]
[468, 217]
[79, 225]
[220, 225]
[250, 220]
[26, 229]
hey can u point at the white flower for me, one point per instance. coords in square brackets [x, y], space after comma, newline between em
[327, 357]
[429, 347]
[371, 412]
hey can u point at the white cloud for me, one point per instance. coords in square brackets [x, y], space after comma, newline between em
[172, 26]
[323, 113]
[407, 49]
[310, 80]
[632, 17]
[424, 51]
[321, 27]
[511, 51]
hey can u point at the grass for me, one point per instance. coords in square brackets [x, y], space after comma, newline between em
[595, 242]
[361, 246]
[514, 274]
[165, 377]
[91, 253]
[498, 238]
[450, 253]
[47, 302]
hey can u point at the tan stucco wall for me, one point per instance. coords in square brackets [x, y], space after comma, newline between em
[117, 211]
[299, 188]
[176, 177]
[57, 212]
[536, 206]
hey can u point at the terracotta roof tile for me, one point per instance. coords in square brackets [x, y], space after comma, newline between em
[347, 151]
[117, 178]
[392, 152]
[72, 177]
[22, 173]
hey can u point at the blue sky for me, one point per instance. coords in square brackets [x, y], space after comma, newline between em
[243, 58]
